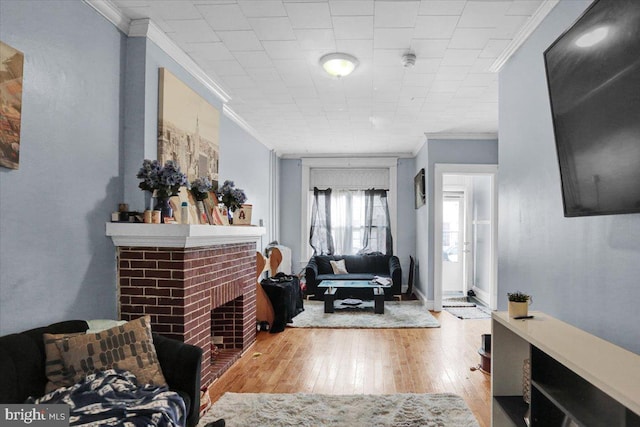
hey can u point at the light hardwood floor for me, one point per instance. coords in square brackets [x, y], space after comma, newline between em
[367, 361]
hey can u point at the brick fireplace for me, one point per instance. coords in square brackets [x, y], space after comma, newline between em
[197, 288]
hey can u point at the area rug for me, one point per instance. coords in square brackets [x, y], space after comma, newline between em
[397, 314]
[476, 312]
[300, 409]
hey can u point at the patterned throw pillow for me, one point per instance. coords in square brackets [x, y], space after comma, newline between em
[339, 267]
[128, 347]
[54, 368]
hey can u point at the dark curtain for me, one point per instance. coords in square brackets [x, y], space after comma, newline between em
[320, 234]
[377, 223]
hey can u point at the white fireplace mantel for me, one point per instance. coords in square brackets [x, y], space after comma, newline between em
[180, 235]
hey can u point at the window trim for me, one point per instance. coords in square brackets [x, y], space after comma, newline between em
[308, 163]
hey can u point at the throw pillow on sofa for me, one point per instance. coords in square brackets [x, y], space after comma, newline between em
[128, 347]
[57, 375]
[338, 267]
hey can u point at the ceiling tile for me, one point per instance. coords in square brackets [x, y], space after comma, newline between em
[351, 7]
[215, 51]
[494, 48]
[291, 65]
[444, 7]
[312, 39]
[509, 26]
[224, 17]
[253, 59]
[262, 8]
[353, 28]
[460, 56]
[309, 15]
[444, 86]
[282, 49]
[192, 30]
[418, 79]
[225, 68]
[396, 14]
[391, 58]
[470, 38]
[272, 28]
[240, 40]
[485, 14]
[176, 9]
[429, 48]
[235, 82]
[435, 27]
[392, 38]
[361, 49]
[482, 65]
[264, 75]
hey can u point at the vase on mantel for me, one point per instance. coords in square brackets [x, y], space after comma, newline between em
[162, 205]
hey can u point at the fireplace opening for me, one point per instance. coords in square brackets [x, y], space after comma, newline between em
[227, 335]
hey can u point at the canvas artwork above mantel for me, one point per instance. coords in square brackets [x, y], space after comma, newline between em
[188, 128]
[11, 69]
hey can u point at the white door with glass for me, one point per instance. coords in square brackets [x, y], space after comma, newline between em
[453, 230]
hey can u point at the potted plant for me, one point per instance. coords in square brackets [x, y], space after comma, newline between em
[231, 197]
[163, 181]
[518, 304]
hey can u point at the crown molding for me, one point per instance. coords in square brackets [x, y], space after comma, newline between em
[524, 33]
[146, 28]
[111, 12]
[476, 135]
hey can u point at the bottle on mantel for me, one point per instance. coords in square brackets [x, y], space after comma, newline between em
[184, 213]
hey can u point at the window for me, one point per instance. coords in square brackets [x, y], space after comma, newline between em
[350, 173]
[358, 222]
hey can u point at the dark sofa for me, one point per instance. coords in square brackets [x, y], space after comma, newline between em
[360, 267]
[22, 365]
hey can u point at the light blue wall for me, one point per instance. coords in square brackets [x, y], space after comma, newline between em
[246, 162]
[584, 271]
[291, 205]
[406, 233]
[90, 105]
[448, 151]
[55, 261]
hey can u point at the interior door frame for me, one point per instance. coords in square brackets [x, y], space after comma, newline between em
[440, 169]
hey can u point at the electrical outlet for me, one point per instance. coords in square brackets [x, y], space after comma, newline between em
[217, 340]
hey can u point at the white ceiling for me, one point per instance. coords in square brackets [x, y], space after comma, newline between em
[264, 54]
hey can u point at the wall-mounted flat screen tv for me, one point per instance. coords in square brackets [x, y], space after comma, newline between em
[593, 75]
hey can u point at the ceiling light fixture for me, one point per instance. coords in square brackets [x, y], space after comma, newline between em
[338, 64]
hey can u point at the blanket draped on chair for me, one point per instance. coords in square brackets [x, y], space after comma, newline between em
[114, 398]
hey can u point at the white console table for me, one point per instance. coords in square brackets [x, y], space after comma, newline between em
[576, 378]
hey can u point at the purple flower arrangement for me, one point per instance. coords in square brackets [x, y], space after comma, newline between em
[231, 197]
[200, 188]
[164, 180]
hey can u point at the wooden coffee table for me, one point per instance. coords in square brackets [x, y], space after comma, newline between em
[333, 285]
